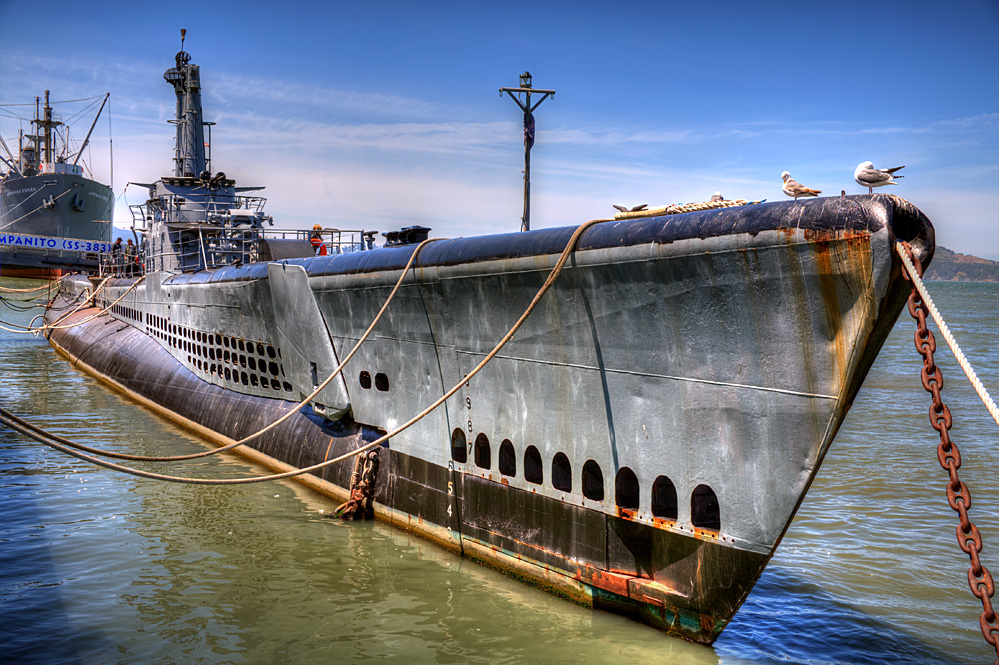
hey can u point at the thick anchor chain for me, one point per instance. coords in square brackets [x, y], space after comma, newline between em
[958, 495]
[362, 489]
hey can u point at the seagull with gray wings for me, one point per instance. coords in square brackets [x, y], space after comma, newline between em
[868, 176]
[794, 188]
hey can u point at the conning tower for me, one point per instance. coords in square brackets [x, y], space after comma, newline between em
[194, 219]
[189, 158]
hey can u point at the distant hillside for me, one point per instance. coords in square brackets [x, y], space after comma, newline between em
[948, 266]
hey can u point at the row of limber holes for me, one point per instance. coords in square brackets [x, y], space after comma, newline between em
[224, 356]
[191, 341]
[704, 509]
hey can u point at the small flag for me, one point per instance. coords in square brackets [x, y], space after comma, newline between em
[529, 130]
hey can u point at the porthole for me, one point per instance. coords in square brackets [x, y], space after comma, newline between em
[273, 368]
[275, 384]
[228, 375]
[270, 352]
[242, 361]
[287, 387]
[252, 363]
[533, 469]
[365, 380]
[483, 456]
[561, 473]
[225, 342]
[593, 481]
[225, 356]
[664, 498]
[381, 382]
[507, 459]
[244, 378]
[626, 489]
[242, 347]
[253, 380]
[260, 349]
[211, 353]
[704, 510]
[459, 451]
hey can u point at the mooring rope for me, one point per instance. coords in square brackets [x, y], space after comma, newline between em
[53, 326]
[969, 538]
[28, 330]
[48, 285]
[969, 371]
[559, 265]
[294, 409]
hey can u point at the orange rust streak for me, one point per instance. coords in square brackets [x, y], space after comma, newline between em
[604, 580]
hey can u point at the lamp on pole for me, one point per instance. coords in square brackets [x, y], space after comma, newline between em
[525, 105]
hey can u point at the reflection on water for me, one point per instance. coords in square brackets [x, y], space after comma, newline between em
[103, 568]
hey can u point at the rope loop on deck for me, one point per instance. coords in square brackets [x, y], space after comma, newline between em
[680, 208]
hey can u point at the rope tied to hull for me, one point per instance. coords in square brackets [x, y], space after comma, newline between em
[292, 411]
[958, 495]
[43, 287]
[30, 431]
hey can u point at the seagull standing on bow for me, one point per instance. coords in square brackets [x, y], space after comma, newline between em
[794, 188]
[868, 176]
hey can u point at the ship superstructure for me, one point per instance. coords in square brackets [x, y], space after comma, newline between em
[53, 217]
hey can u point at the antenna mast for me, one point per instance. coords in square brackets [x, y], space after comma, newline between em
[526, 89]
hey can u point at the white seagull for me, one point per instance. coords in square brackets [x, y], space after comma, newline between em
[794, 188]
[868, 176]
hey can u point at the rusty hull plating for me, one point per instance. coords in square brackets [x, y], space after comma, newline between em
[642, 443]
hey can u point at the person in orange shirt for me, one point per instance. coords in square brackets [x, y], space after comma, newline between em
[316, 238]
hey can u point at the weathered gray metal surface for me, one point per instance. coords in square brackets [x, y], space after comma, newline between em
[301, 332]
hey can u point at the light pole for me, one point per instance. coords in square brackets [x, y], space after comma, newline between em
[525, 105]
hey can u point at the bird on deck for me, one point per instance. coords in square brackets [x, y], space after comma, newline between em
[717, 197]
[635, 209]
[868, 176]
[793, 188]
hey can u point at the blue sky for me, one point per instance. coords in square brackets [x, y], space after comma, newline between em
[387, 114]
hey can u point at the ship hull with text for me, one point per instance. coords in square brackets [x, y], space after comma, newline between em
[641, 444]
[53, 218]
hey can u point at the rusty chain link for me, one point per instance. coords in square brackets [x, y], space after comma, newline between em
[362, 489]
[958, 495]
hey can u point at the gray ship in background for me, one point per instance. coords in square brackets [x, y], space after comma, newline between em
[640, 445]
[53, 217]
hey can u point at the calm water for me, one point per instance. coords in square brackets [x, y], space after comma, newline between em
[99, 568]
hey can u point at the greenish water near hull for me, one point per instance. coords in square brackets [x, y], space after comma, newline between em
[96, 567]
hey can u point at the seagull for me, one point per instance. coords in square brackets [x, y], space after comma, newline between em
[717, 197]
[868, 176]
[795, 189]
[635, 209]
